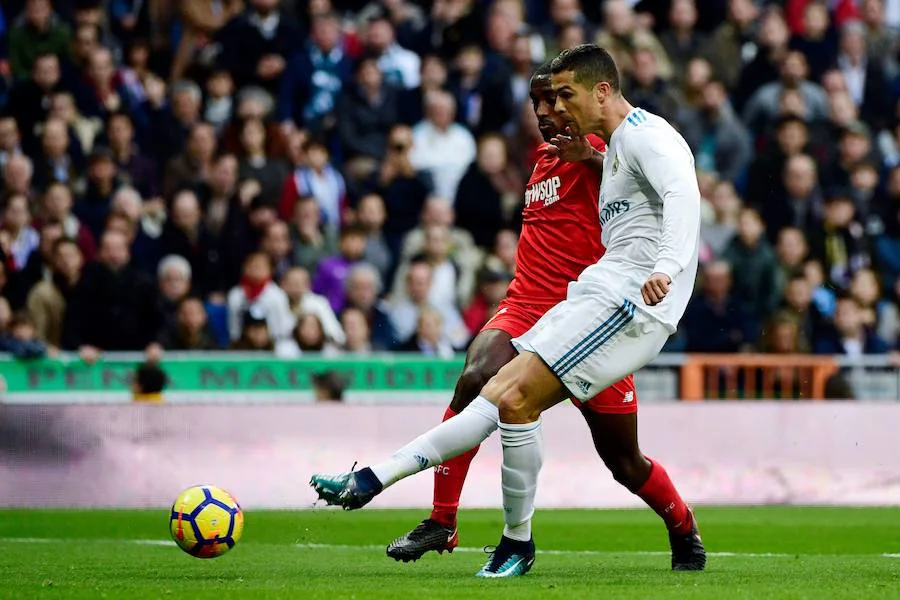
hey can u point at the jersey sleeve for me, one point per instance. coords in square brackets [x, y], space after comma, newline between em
[668, 166]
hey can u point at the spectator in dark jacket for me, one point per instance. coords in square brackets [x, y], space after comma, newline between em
[483, 99]
[174, 284]
[718, 138]
[103, 95]
[21, 340]
[757, 287]
[714, 320]
[863, 74]
[849, 336]
[411, 108]
[102, 180]
[840, 242]
[682, 41]
[186, 235]
[801, 205]
[113, 307]
[255, 163]
[38, 31]
[481, 192]
[403, 188]
[647, 89]
[313, 79]
[56, 160]
[135, 167]
[30, 99]
[190, 331]
[367, 111]
[256, 44]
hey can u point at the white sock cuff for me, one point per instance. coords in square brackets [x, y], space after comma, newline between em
[520, 434]
[485, 408]
[520, 427]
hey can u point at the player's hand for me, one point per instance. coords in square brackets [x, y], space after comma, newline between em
[656, 288]
[570, 147]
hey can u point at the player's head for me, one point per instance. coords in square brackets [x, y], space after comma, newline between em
[543, 100]
[585, 80]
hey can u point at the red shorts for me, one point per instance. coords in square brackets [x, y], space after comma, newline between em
[515, 319]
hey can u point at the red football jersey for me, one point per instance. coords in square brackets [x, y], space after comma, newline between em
[560, 228]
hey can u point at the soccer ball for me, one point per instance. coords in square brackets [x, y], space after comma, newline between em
[206, 521]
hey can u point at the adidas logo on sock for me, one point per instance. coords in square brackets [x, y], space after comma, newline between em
[423, 462]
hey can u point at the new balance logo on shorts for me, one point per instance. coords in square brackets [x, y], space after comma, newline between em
[584, 386]
[629, 397]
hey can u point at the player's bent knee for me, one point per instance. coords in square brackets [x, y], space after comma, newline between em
[469, 386]
[517, 406]
[630, 471]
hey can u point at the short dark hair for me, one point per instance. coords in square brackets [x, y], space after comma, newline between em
[150, 378]
[542, 70]
[590, 63]
[353, 229]
[65, 241]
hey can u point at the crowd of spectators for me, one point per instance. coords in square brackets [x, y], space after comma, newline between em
[347, 176]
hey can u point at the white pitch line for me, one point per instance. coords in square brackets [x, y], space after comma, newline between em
[562, 552]
[17, 540]
[462, 549]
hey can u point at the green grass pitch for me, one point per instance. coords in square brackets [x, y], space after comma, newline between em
[757, 553]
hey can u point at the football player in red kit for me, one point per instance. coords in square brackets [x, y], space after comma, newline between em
[560, 238]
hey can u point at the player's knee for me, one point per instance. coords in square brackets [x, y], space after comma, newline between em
[469, 385]
[629, 470]
[517, 406]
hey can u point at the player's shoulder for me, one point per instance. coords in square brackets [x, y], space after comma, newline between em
[642, 124]
[642, 132]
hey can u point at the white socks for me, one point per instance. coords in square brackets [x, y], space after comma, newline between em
[449, 439]
[523, 455]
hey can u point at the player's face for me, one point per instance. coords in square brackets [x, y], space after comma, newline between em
[543, 100]
[578, 104]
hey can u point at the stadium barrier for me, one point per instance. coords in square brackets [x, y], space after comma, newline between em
[397, 378]
[755, 376]
[141, 455]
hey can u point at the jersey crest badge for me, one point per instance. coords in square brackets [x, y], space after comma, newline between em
[615, 164]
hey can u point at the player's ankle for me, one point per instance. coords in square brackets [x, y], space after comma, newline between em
[444, 517]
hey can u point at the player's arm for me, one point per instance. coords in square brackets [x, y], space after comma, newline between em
[669, 169]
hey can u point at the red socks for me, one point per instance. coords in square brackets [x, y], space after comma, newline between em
[660, 495]
[448, 483]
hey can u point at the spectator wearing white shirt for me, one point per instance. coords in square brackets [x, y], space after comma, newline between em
[404, 310]
[401, 67]
[296, 284]
[258, 292]
[442, 147]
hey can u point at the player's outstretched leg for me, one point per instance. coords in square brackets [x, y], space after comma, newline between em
[448, 440]
[524, 389]
[615, 438]
[489, 351]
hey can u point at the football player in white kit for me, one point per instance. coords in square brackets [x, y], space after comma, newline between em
[619, 313]
[615, 319]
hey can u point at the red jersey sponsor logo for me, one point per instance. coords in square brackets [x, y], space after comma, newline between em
[544, 192]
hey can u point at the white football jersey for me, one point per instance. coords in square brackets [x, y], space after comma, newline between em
[650, 216]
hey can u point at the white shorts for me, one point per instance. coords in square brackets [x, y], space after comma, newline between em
[590, 342]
